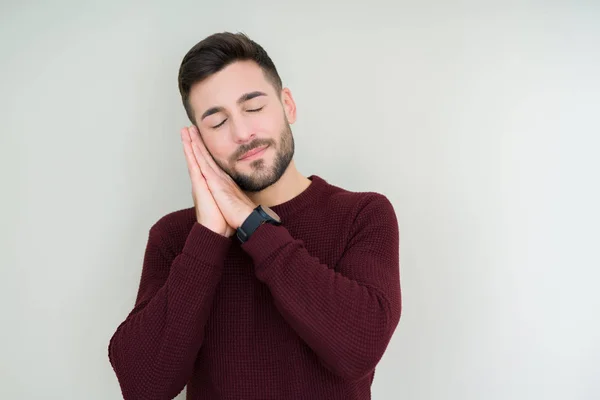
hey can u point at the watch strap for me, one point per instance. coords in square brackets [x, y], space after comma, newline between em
[251, 224]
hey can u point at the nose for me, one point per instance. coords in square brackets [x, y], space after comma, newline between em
[242, 131]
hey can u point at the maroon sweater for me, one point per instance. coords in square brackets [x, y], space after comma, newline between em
[304, 310]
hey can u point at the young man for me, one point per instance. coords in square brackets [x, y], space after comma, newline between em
[274, 285]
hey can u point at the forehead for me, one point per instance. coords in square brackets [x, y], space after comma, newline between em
[224, 88]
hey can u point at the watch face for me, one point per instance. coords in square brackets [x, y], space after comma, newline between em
[271, 213]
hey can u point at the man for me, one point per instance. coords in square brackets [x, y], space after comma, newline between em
[274, 285]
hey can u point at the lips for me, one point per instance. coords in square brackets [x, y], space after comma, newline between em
[253, 152]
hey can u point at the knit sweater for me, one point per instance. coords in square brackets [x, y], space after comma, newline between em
[304, 310]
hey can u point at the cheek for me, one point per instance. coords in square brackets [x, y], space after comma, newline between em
[272, 125]
[220, 149]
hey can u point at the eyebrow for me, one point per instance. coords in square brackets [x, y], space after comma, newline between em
[245, 97]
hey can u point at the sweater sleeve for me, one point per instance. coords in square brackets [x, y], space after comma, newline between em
[153, 350]
[346, 314]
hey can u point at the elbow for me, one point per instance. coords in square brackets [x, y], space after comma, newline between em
[359, 361]
[356, 372]
[129, 383]
[136, 377]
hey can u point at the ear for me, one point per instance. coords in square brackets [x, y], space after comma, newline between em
[289, 106]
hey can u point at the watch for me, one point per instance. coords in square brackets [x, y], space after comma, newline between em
[259, 216]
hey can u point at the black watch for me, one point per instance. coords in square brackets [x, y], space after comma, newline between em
[259, 216]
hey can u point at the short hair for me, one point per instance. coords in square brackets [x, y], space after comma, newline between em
[214, 53]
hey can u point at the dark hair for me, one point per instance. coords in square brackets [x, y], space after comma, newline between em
[214, 53]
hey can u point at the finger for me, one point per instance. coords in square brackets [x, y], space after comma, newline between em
[206, 166]
[207, 171]
[193, 167]
[202, 150]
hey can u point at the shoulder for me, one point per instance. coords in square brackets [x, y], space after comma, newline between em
[177, 219]
[358, 203]
[174, 226]
[365, 221]
[370, 222]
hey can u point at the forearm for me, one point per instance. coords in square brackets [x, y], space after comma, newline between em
[348, 324]
[153, 351]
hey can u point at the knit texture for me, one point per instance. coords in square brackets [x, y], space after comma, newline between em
[304, 310]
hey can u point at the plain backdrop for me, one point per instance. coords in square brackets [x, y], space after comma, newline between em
[479, 121]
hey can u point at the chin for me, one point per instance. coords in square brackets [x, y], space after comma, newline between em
[264, 171]
[256, 178]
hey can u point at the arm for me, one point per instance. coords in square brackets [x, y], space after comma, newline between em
[348, 314]
[153, 351]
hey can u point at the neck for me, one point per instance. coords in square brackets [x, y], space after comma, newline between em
[290, 185]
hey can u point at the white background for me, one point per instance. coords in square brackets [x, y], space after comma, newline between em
[479, 121]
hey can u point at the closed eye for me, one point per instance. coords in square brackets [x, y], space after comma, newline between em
[254, 110]
[216, 126]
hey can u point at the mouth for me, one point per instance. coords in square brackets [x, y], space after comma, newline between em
[254, 153]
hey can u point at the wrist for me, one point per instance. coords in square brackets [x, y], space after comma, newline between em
[244, 215]
[259, 216]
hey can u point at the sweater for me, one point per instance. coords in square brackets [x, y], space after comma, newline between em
[303, 310]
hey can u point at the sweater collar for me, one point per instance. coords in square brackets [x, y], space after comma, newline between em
[308, 196]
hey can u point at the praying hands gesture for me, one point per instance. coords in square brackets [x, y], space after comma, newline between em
[220, 204]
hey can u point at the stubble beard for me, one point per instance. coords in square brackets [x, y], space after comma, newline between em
[262, 175]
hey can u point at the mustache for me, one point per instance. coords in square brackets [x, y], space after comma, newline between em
[246, 148]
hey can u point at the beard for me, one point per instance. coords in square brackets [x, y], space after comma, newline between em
[262, 176]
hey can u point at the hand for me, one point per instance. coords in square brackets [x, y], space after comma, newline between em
[207, 211]
[233, 203]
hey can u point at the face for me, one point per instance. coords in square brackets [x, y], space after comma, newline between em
[238, 111]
